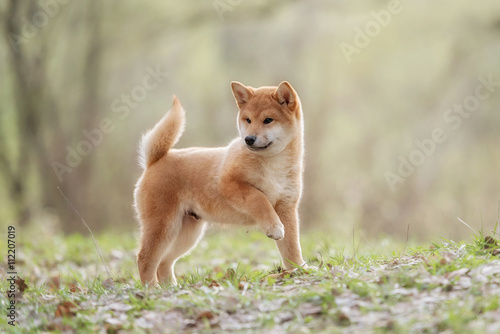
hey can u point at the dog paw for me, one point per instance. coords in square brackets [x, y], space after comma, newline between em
[276, 232]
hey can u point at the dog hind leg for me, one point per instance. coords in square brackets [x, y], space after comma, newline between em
[157, 237]
[189, 235]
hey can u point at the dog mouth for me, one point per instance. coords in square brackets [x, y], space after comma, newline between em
[260, 148]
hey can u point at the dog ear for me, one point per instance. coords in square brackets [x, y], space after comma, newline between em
[241, 93]
[285, 94]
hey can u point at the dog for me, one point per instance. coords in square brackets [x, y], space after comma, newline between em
[255, 180]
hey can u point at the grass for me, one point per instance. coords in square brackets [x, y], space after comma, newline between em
[233, 282]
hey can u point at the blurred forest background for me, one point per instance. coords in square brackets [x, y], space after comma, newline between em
[80, 81]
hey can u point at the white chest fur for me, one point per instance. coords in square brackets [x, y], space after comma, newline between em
[279, 178]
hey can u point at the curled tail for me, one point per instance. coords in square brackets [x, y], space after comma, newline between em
[157, 141]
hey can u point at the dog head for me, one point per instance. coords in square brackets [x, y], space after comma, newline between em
[269, 118]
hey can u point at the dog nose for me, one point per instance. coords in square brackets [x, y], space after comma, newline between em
[250, 140]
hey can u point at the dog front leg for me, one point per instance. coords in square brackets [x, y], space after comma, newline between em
[249, 200]
[289, 247]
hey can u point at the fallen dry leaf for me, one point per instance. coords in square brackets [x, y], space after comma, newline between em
[275, 276]
[490, 242]
[74, 288]
[230, 273]
[321, 262]
[120, 280]
[205, 315]
[279, 276]
[110, 328]
[343, 318]
[66, 309]
[54, 283]
[140, 294]
[213, 284]
[21, 284]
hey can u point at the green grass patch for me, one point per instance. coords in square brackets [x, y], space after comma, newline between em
[232, 282]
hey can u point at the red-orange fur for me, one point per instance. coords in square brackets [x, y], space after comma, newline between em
[181, 189]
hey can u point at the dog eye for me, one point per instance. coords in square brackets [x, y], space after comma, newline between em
[249, 121]
[268, 120]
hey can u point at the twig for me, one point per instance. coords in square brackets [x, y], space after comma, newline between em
[407, 236]
[467, 225]
[88, 228]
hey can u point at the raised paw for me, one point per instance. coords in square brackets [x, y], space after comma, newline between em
[276, 232]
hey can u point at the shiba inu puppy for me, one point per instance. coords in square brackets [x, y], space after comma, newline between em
[255, 180]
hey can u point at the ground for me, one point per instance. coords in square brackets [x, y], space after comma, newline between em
[232, 283]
